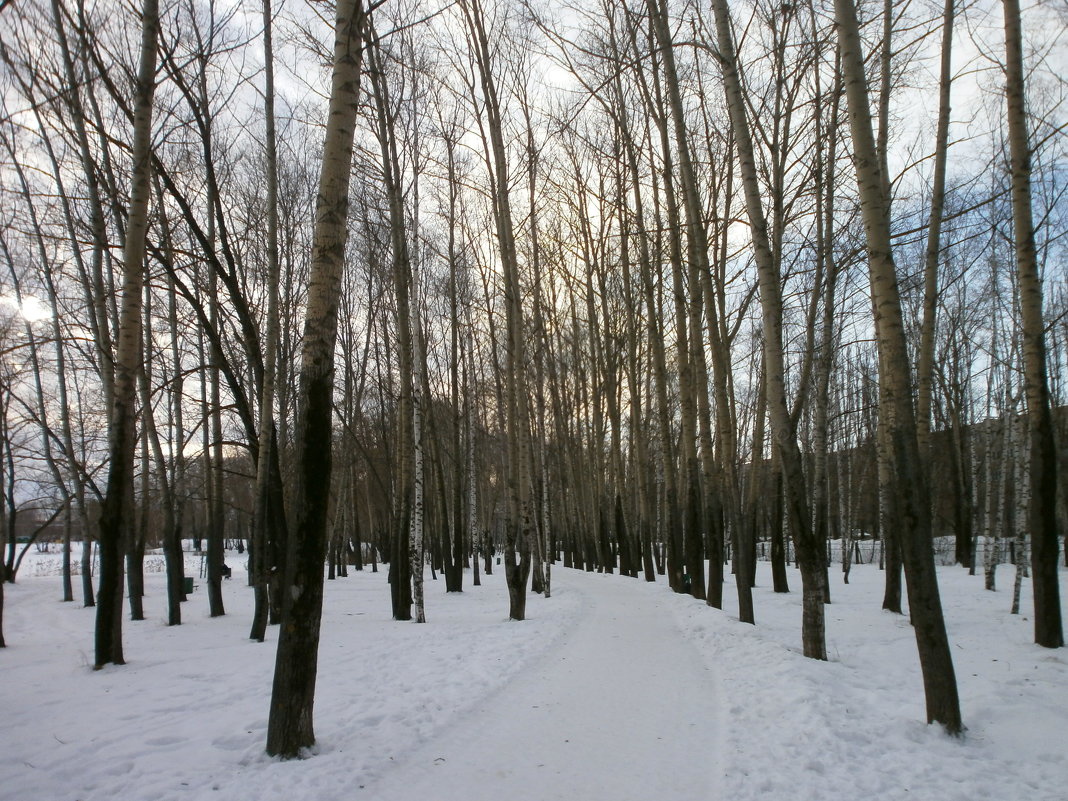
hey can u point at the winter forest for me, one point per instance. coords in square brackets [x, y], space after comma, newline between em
[712, 295]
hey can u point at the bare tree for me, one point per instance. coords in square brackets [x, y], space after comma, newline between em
[116, 514]
[520, 525]
[289, 727]
[1049, 630]
[908, 490]
[783, 427]
[264, 513]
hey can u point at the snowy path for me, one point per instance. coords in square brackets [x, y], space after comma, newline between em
[621, 707]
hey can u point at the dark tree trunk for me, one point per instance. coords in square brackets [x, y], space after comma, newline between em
[892, 566]
[68, 585]
[962, 507]
[648, 563]
[3, 580]
[135, 579]
[783, 427]
[516, 573]
[88, 594]
[779, 580]
[400, 577]
[175, 558]
[135, 554]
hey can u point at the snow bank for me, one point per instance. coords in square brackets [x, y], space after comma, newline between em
[186, 718]
[854, 728]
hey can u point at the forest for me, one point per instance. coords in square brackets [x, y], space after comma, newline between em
[637, 286]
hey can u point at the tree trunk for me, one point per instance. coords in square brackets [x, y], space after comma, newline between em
[86, 566]
[472, 485]
[783, 431]
[995, 494]
[3, 581]
[1049, 630]
[7, 512]
[910, 503]
[519, 529]
[116, 513]
[415, 542]
[925, 361]
[403, 568]
[135, 551]
[289, 727]
[172, 532]
[827, 269]
[891, 561]
[779, 579]
[1020, 518]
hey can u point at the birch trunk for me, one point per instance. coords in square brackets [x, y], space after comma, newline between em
[844, 516]
[470, 424]
[214, 462]
[415, 544]
[402, 563]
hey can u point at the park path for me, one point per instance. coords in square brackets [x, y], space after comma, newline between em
[621, 707]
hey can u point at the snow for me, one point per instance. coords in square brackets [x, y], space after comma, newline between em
[601, 714]
[612, 689]
[854, 727]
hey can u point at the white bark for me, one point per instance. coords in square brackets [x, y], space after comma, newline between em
[415, 541]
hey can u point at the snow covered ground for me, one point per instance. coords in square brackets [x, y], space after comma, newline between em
[613, 689]
[854, 728]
